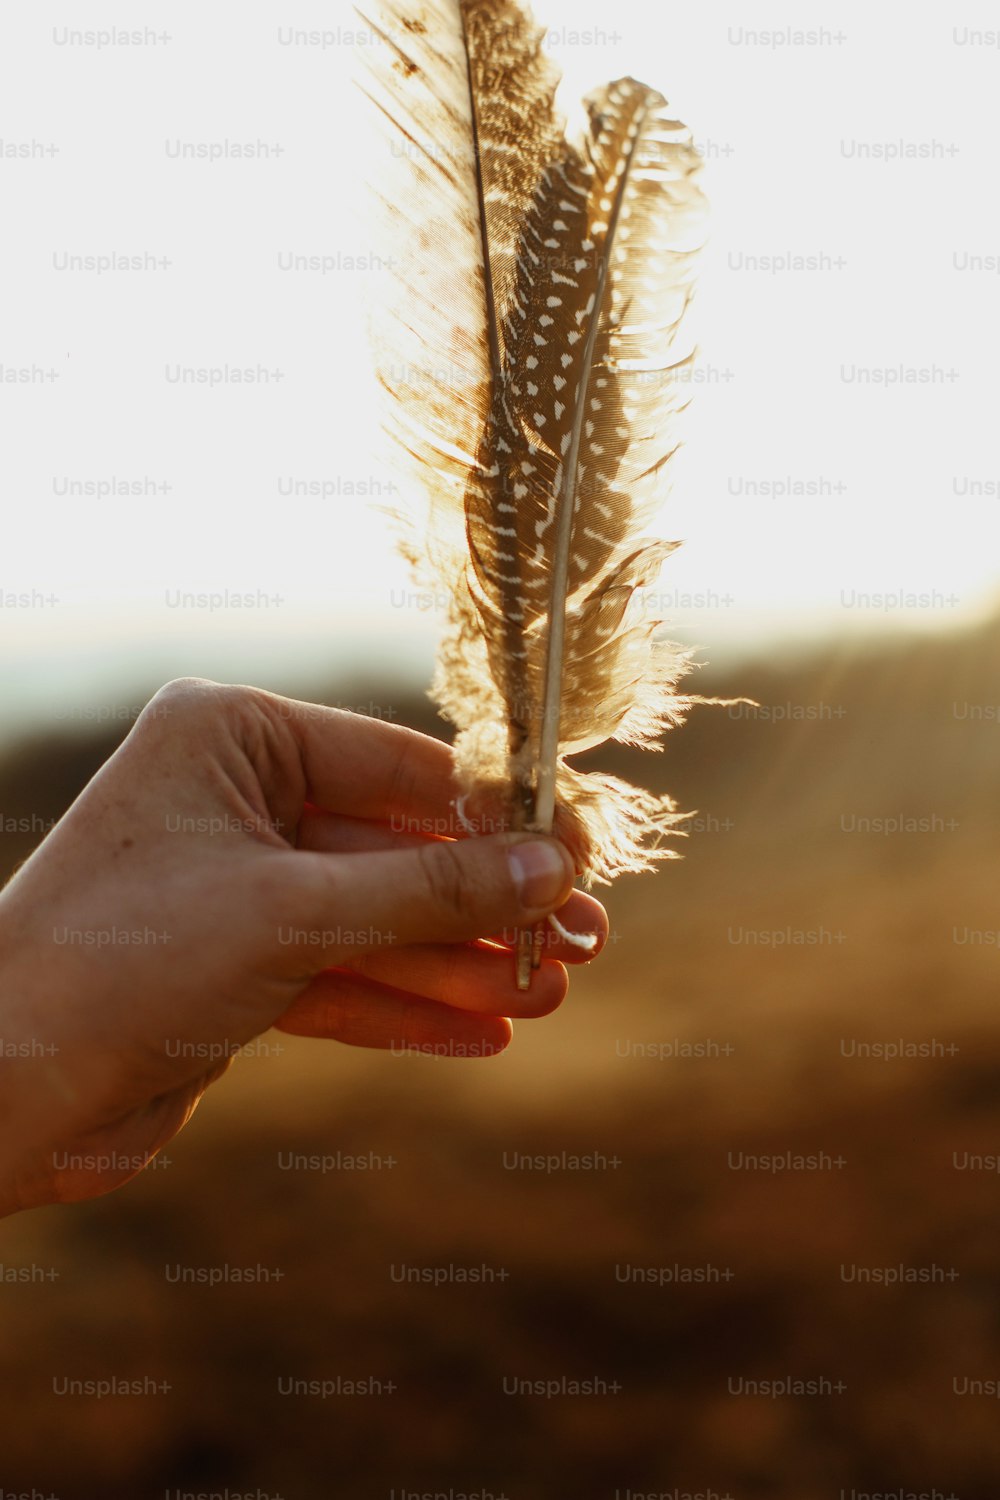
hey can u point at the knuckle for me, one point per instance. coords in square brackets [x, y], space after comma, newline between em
[448, 882]
[183, 690]
[177, 699]
[190, 700]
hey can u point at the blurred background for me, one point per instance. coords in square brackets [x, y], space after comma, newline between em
[782, 1077]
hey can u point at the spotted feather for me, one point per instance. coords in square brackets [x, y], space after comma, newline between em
[543, 277]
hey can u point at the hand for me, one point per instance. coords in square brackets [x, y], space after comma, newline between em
[243, 861]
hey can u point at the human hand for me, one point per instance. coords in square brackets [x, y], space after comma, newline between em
[243, 861]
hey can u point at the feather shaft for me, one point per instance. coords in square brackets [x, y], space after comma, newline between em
[566, 506]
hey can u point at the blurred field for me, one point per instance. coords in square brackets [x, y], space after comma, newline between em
[908, 732]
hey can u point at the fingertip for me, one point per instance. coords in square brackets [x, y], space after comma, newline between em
[580, 917]
[503, 1034]
[547, 991]
[582, 932]
[542, 872]
[492, 1035]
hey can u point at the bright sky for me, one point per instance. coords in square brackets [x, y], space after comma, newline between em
[841, 443]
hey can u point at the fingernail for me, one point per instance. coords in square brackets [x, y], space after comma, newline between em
[541, 873]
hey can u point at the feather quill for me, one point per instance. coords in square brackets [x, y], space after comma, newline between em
[532, 349]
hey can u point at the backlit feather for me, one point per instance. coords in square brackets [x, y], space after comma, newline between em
[532, 348]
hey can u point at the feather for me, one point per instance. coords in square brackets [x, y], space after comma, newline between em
[531, 346]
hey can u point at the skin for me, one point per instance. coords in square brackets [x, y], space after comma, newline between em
[245, 861]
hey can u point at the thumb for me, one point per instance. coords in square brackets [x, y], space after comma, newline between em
[440, 892]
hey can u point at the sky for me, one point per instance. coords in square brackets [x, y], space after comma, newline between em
[839, 475]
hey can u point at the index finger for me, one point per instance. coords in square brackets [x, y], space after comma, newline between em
[369, 768]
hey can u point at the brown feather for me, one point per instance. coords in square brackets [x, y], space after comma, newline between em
[546, 274]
